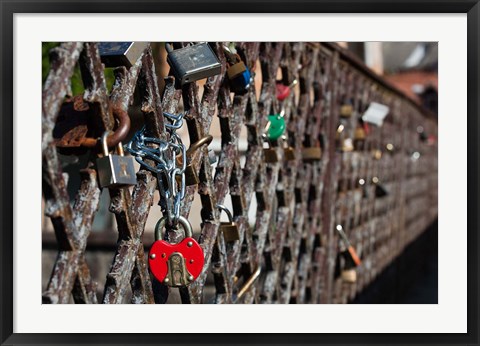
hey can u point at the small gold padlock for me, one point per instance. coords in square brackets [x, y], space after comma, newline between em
[360, 134]
[289, 153]
[270, 155]
[346, 111]
[311, 154]
[349, 275]
[229, 229]
[115, 170]
[359, 138]
[191, 176]
[236, 69]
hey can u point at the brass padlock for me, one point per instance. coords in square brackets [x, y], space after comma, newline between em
[359, 138]
[236, 69]
[115, 170]
[349, 275]
[270, 155]
[192, 63]
[360, 134]
[346, 111]
[311, 154]
[228, 229]
[191, 176]
[289, 153]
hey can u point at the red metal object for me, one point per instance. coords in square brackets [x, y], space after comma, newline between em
[282, 91]
[161, 251]
[354, 256]
[366, 128]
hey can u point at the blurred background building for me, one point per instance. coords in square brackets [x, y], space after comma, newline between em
[410, 66]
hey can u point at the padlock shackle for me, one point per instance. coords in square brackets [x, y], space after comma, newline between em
[232, 57]
[225, 209]
[187, 227]
[250, 281]
[117, 136]
[198, 144]
[104, 141]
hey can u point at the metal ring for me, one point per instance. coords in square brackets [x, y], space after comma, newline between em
[228, 212]
[117, 136]
[198, 144]
[187, 227]
[103, 140]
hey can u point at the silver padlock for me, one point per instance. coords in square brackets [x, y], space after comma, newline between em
[115, 170]
[192, 63]
[114, 54]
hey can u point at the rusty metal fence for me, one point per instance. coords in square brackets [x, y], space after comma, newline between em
[292, 242]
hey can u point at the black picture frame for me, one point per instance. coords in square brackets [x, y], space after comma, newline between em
[9, 8]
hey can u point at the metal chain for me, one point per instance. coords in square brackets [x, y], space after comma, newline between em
[165, 155]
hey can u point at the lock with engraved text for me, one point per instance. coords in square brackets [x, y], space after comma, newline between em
[115, 170]
[237, 72]
[114, 54]
[228, 229]
[176, 265]
[192, 63]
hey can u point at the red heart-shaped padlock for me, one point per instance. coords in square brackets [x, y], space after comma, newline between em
[161, 251]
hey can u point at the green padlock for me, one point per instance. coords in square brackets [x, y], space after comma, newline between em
[277, 126]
